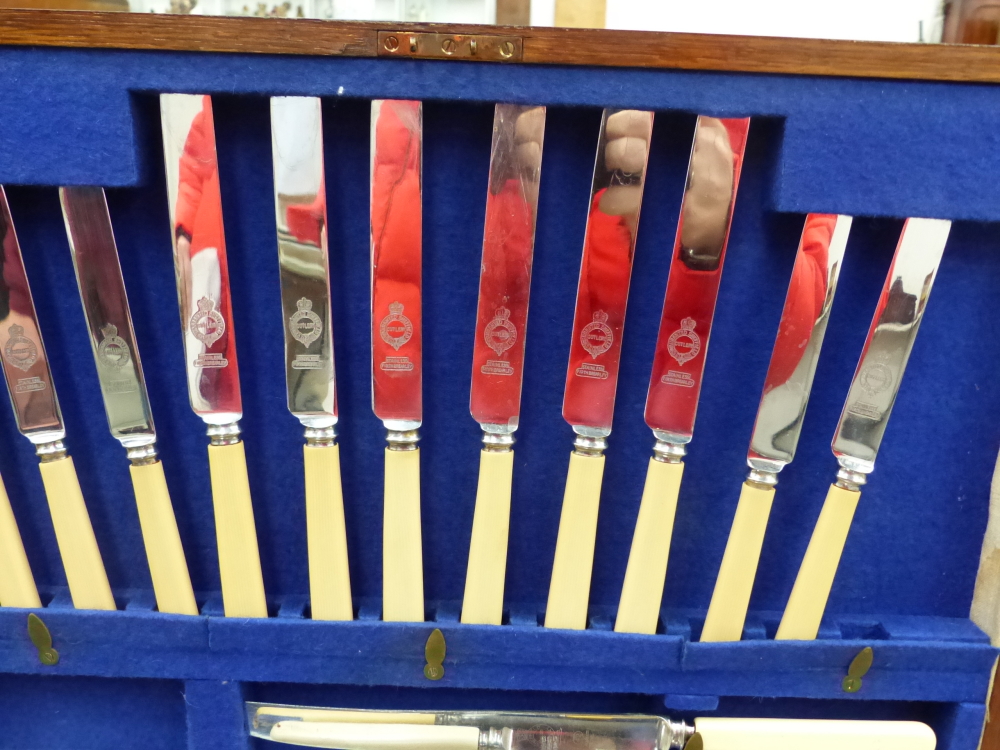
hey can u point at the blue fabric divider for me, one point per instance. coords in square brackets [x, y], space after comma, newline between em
[881, 149]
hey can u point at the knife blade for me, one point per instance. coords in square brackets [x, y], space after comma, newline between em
[300, 208]
[779, 417]
[123, 388]
[699, 254]
[195, 205]
[498, 358]
[866, 412]
[397, 364]
[595, 349]
[36, 409]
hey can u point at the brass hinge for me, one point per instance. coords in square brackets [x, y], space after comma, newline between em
[426, 45]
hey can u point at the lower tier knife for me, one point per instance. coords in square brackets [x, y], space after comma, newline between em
[17, 585]
[300, 213]
[195, 204]
[123, 387]
[866, 412]
[498, 358]
[779, 416]
[595, 351]
[36, 408]
[699, 253]
[397, 343]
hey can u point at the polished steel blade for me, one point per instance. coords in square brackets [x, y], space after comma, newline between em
[695, 273]
[890, 340]
[397, 365]
[105, 304]
[800, 338]
[195, 204]
[300, 212]
[605, 270]
[505, 275]
[25, 366]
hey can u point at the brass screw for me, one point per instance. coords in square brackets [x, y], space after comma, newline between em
[473, 46]
[507, 49]
[391, 44]
[413, 44]
[448, 46]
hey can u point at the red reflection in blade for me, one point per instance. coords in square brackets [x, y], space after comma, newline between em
[396, 260]
[201, 259]
[498, 358]
[695, 273]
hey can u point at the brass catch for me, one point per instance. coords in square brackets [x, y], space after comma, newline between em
[434, 652]
[426, 45]
[859, 668]
[42, 640]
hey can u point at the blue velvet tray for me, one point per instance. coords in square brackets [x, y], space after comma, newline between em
[880, 150]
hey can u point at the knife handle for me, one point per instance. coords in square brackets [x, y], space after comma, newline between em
[642, 593]
[326, 531]
[376, 736]
[85, 574]
[806, 605]
[17, 585]
[402, 553]
[569, 591]
[484, 581]
[727, 612]
[167, 565]
[236, 533]
[815, 734]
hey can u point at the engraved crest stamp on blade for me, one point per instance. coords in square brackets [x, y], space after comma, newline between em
[207, 325]
[113, 351]
[305, 325]
[684, 344]
[500, 333]
[396, 329]
[597, 336]
[20, 351]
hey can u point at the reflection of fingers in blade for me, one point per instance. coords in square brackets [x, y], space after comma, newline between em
[530, 126]
[627, 154]
[629, 123]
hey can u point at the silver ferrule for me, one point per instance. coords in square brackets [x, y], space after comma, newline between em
[51, 451]
[498, 442]
[590, 445]
[674, 735]
[402, 440]
[848, 479]
[321, 437]
[224, 434]
[761, 479]
[667, 452]
[142, 455]
[496, 738]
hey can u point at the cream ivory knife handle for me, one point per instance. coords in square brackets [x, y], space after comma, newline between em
[85, 574]
[375, 736]
[236, 533]
[167, 565]
[569, 591]
[326, 531]
[727, 611]
[402, 552]
[642, 593]
[814, 734]
[484, 581]
[805, 607]
[17, 585]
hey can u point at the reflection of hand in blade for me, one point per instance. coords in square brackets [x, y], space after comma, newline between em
[708, 196]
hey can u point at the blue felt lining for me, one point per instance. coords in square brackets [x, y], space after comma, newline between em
[882, 149]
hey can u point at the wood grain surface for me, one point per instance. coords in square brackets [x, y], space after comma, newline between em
[936, 62]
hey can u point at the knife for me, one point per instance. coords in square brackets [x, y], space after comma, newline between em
[498, 358]
[17, 585]
[595, 349]
[862, 423]
[36, 408]
[195, 204]
[126, 403]
[300, 207]
[397, 365]
[679, 361]
[779, 416]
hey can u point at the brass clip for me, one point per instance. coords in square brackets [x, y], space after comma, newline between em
[426, 45]
[434, 653]
[858, 669]
[695, 742]
[42, 638]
